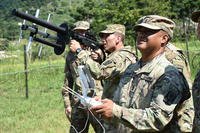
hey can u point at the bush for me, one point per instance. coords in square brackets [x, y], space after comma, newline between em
[4, 43]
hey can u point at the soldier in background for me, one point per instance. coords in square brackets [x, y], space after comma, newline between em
[196, 84]
[78, 116]
[118, 59]
[152, 91]
[179, 60]
[177, 57]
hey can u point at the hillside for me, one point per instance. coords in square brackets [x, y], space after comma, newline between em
[60, 10]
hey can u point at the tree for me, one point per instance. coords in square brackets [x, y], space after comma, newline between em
[181, 12]
[126, 12]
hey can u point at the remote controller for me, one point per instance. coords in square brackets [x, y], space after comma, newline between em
[85, 101]
[90, 102]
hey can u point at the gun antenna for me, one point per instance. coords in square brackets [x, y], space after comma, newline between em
[45, 31]
[21, 25]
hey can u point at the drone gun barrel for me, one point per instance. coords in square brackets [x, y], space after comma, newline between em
[38, 21]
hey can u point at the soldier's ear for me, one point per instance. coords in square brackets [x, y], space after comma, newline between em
[164, 39]
[119, 39]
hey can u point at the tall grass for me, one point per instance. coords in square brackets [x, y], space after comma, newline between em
[194, 54]
[43, 111]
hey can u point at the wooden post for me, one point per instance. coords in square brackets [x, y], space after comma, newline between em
[26, 71]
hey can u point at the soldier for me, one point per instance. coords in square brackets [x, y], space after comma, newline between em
[196, 84]
[178, 59]
[78, 116]
[118, 59]
[151, 91]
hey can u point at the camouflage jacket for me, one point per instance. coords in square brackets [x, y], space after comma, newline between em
[111, 69]
[196, 97]
[178, 59]
[72, 80]
[150, 96]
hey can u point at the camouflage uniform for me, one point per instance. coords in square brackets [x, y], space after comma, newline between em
[178, 59]
[196, 94]
[150, 97]
[196, 85]
[110, 70]
[113, 66]
[80, 117]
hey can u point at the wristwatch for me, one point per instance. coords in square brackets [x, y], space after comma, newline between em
[78, 50]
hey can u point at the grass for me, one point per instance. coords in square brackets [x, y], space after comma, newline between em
[194, 55]
[43, 111]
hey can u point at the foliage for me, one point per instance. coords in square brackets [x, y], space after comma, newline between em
[126, 12]
[58, 8]
[100, 13]
[7, 22]
[181, 14]
[4, 44]
[184, 8]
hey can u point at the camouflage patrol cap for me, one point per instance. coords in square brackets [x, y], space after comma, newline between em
[196, 16]
[156, 22]
[81, 25]
[112, 28]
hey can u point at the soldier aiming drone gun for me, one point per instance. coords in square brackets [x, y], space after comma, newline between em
[64, 33]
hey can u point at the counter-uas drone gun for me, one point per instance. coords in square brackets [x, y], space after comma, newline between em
[64, 33]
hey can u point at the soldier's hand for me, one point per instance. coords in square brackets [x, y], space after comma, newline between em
[105, 110]
[74, 45]
[68, 111]
[95, 55]
[97, 98]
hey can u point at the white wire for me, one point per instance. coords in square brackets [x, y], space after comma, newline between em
[74, 128]
[97, 121]
[85, 123]
[78, 95]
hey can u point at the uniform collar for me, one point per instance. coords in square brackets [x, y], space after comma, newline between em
[126, 48]
[147, 67]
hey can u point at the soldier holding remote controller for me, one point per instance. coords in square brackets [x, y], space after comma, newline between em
[78, 116]
[118, 59]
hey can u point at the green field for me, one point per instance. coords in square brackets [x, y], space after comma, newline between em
[43, 111]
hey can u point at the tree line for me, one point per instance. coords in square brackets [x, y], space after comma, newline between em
[100, 13]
